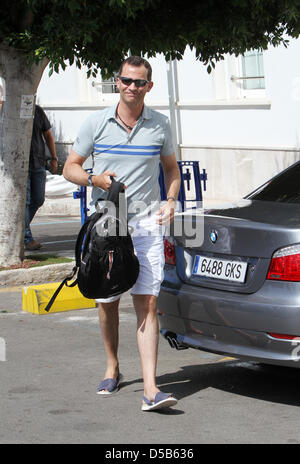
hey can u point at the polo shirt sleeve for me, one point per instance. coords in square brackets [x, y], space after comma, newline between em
[84, 143]
[168, 146]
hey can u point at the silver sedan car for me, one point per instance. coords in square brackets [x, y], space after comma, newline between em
[236, 289]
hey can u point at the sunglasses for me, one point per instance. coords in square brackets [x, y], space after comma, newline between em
[137, 82]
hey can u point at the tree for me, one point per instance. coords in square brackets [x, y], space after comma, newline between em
[99, 34]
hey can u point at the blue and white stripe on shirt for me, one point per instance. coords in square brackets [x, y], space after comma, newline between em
[143, 150]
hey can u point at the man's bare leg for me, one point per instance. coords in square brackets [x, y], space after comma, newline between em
[109, 323]
[147, 339]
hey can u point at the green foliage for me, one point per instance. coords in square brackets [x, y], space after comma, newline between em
[99, 33]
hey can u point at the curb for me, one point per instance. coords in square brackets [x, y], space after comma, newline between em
[36, 275]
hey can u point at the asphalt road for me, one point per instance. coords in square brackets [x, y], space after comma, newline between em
[55, 362]
[51, 366]
[57, 234]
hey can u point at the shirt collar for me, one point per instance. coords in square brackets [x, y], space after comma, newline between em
[111, 113]
[146, 114]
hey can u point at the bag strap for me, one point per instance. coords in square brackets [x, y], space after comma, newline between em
[82, 240]
[64, 282]
[84, 237]
[116, 187]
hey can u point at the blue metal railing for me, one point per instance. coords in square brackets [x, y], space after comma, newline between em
[81, 194]
[190, 178]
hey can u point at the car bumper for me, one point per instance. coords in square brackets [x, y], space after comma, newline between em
[233, 324]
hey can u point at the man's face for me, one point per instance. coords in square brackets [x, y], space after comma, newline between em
[131, 94]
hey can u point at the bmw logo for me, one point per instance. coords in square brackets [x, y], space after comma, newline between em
[213, 236]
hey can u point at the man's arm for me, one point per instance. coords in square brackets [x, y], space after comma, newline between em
[74, 172]
[172, 183]
[51, 145]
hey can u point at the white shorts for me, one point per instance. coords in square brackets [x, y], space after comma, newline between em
[150, 252]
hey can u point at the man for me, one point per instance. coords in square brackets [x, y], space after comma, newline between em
[36, 181]
[128, 141]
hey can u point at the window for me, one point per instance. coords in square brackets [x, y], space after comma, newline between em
[253, 70]
[250, 77]
[283, 188]
[240, 78]
[106, 86]
[109, 85]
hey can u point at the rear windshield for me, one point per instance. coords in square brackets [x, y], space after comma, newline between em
[284, 188]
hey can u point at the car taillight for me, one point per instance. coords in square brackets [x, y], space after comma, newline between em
[285, 264]
[169, 249]
[283, 336]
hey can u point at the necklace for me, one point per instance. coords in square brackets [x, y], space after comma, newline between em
[126, 125]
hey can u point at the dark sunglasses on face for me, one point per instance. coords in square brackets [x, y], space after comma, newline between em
[137, 82]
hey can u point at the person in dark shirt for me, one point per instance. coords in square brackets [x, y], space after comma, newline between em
[36, 182]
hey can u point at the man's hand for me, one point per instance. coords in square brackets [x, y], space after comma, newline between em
[166, 213]
[74, 172]
[103, 180]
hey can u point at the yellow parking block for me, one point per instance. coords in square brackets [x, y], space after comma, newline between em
[35, 299]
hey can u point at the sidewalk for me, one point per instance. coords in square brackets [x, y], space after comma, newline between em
[58, 236]
[35, 275]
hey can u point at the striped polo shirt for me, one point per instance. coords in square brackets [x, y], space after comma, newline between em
[133, 157]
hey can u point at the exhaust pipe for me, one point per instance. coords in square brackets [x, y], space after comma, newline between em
[178, 345]
[174, 343]
[170, 341]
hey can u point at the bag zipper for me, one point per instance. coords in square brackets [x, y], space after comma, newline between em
[110, 263]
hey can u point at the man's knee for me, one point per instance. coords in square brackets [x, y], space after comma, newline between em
[145, 305]
[144, 300]
[106, 307]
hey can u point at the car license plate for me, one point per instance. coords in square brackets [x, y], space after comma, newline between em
[216, 268]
